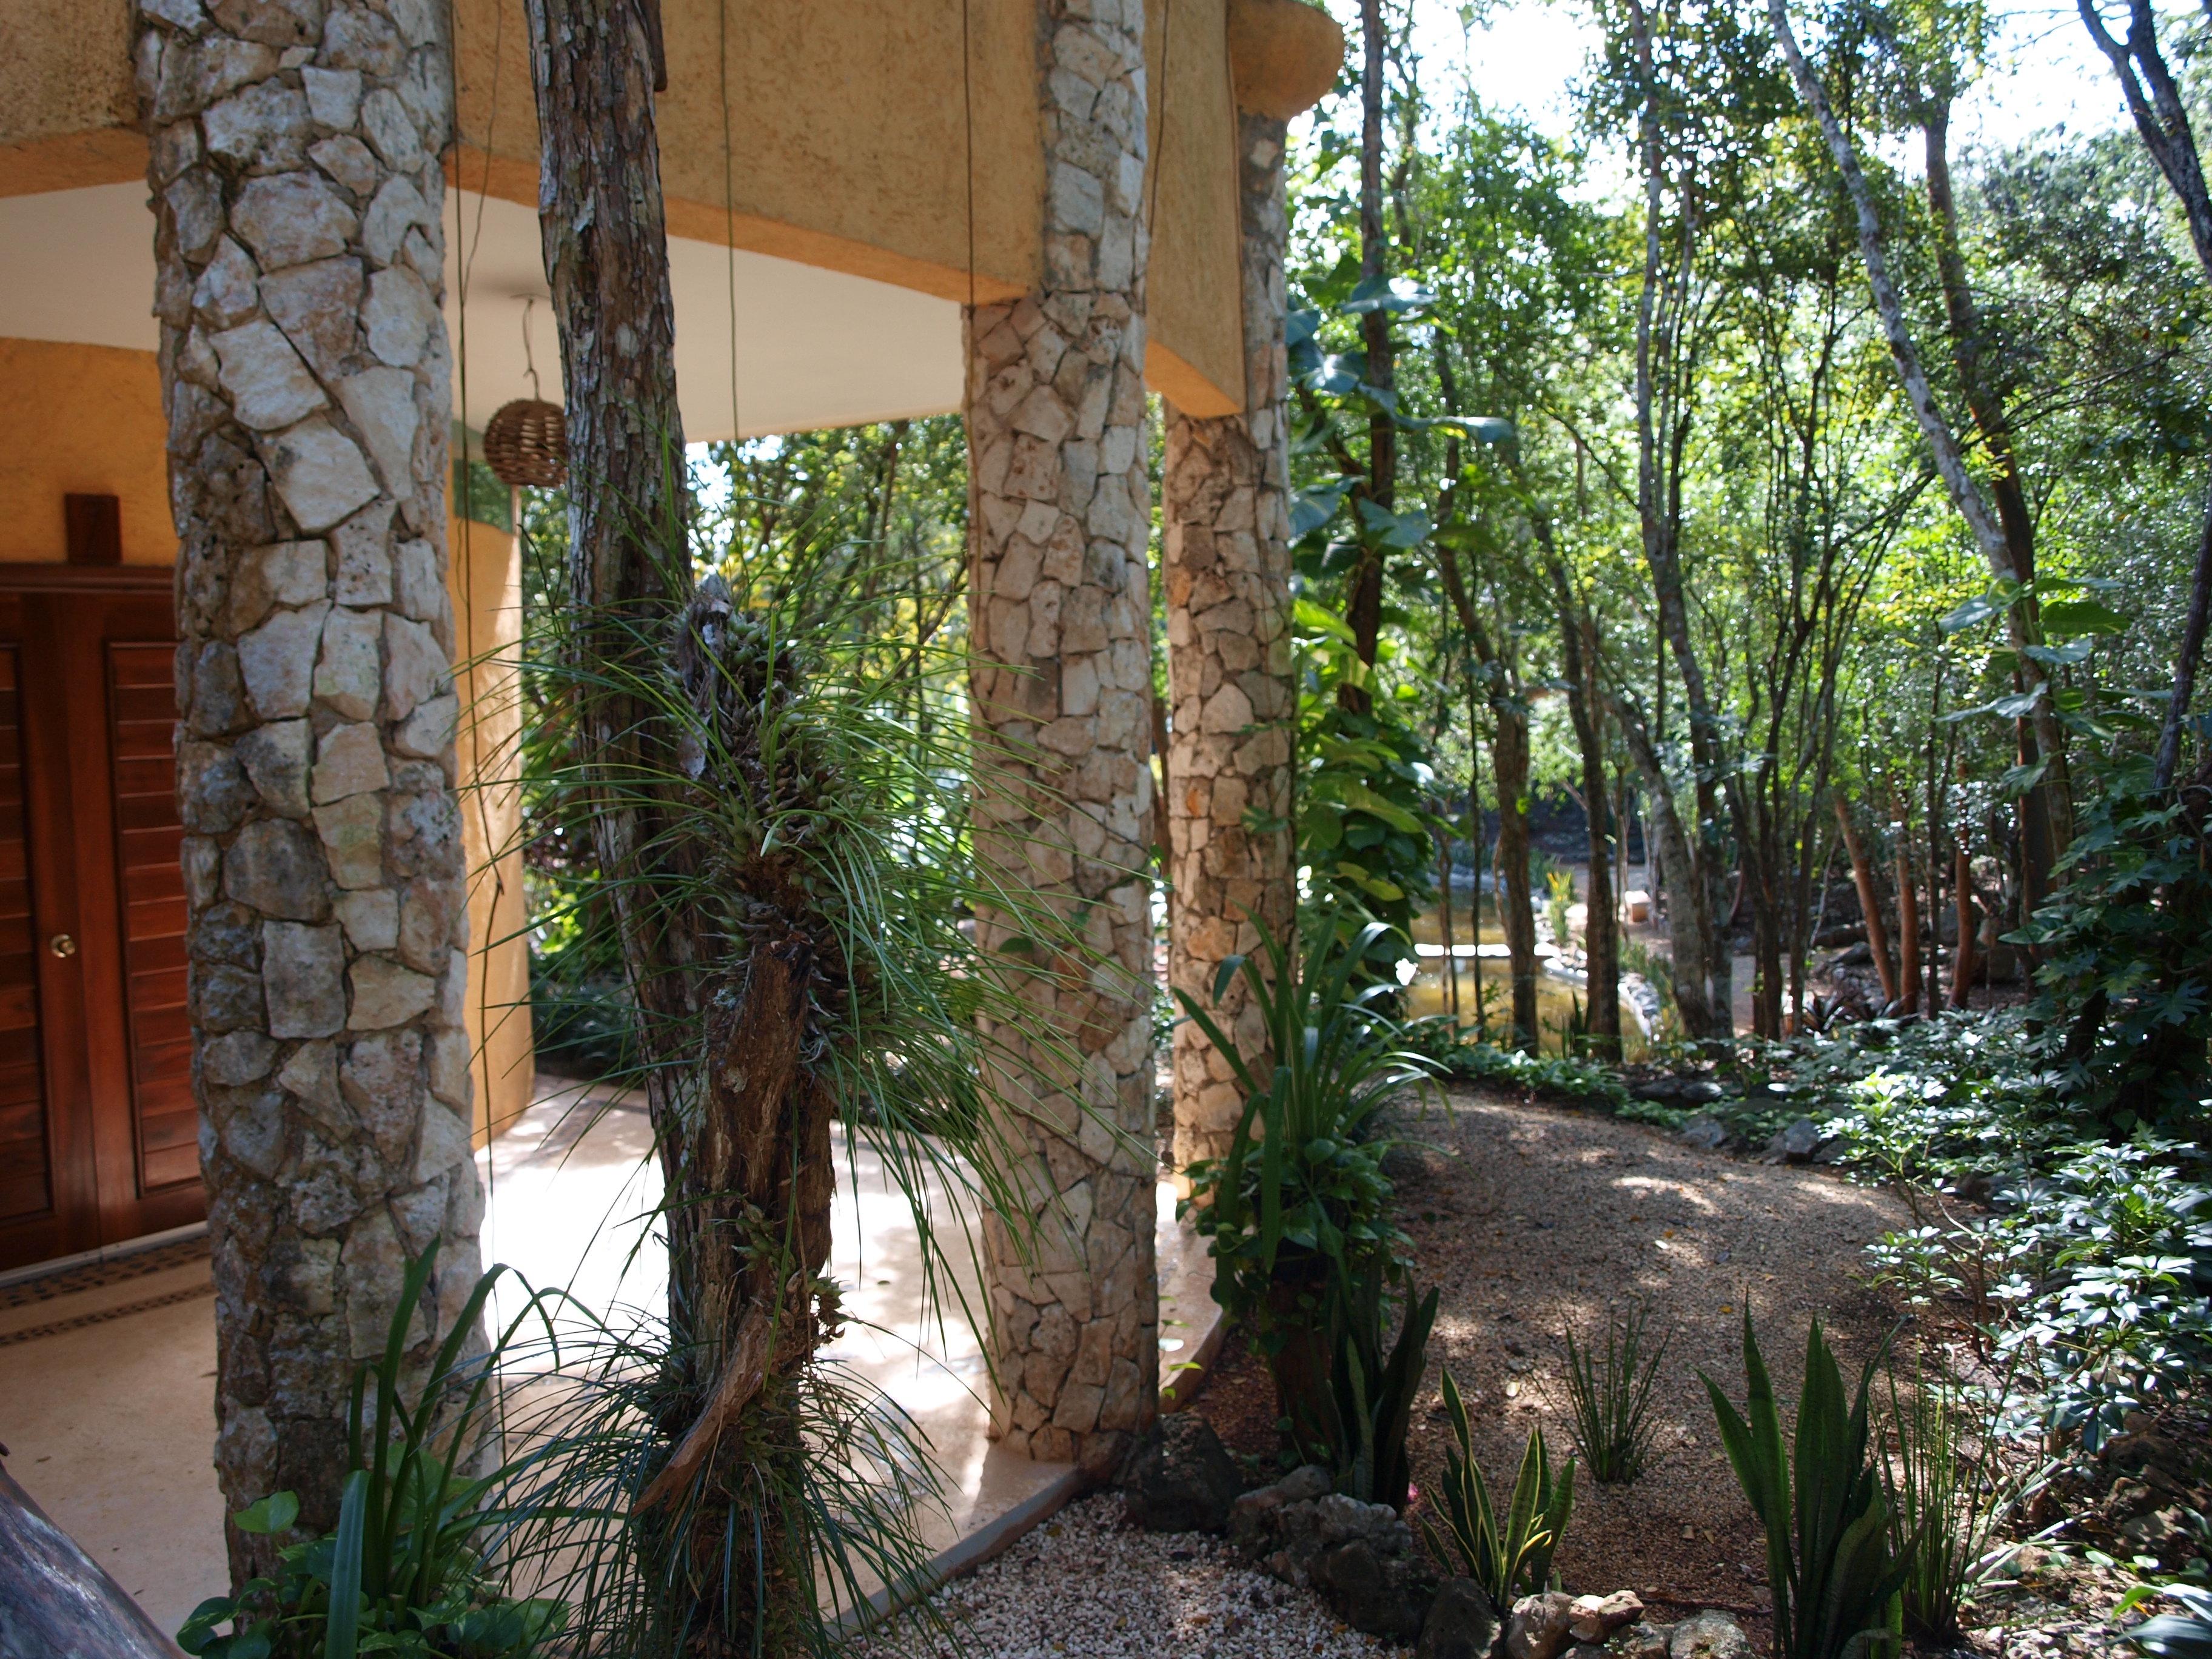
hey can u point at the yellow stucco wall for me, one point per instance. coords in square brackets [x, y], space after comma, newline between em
[834, 132]
[81, 420]
[485, 580]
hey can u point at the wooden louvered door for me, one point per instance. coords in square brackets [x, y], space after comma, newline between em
[98, 1130]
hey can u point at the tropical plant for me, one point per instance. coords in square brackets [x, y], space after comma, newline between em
[2185, 1635]
[2122, 1013]
[1300, 1194]
[1369, 1402]
[410, 1568]
[1612, 1395]
[1296, 1211]
[1508, 1555]
[1832, 1564]
[778, 852]
[1948, 1491]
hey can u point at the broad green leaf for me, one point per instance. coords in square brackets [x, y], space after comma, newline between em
[2063, 618]
[273, 1514]
[1979, 609]
[1380, 292]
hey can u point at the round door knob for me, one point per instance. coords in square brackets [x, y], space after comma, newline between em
[62, 945]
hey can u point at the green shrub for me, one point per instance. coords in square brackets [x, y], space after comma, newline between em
[2186, 1635]
[2122, 1013]
[408, 1570]
[1834, 1568]
[1297, 1212]
[1508, 1555]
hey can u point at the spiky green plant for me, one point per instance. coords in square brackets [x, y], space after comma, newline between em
[1372, 1385]
[1832, 1564]
[1509, 1555]
[1612, 1395]
[1948, 1490]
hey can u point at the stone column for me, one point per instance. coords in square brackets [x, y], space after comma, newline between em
[293, 162]
[1227, 566]
[1059, 620]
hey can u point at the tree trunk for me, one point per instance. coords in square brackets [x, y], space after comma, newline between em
[326, 937]
[1877, 932]
[2054, 828]
[1509, 761]
[1363, 612]
[1908, 919]
[741, 1125]
[1690, 915]
[1602, 925]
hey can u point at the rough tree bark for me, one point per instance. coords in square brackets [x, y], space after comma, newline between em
[726, 1020]
[1226, 561]
[294, 165]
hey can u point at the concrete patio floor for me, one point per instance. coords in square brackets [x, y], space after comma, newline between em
[106, 1392]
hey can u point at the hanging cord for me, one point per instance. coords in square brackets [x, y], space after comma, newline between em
[529, 359]
[968, 128]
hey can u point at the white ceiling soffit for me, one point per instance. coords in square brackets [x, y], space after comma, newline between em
[815, 348]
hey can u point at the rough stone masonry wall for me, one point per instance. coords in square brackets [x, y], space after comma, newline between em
[1060, 622]
[1227, 565]
[305, 371]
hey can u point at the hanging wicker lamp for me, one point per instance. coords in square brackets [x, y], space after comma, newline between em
[526, 444]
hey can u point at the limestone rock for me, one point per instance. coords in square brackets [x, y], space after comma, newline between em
[1708, 1635]
[1385, 1595]
[1704, 1131]
[1461, 1623]
[1594, 1619]
[1796, 1142]
[1538, 1627]
[1182, 1480]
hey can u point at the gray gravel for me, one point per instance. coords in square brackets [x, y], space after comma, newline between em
[1087, 1586]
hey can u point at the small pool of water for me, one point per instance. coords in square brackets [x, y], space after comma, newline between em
[1484, 960]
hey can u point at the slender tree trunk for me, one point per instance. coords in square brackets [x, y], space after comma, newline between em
[1365, 611]
[1478, 841]
[1951, 464]
[1908, 917]
[1445, 891]
[1869, 902]
[1510, 761]
[1601, 928]
[1689, 917]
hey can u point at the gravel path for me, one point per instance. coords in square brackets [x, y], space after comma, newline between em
[1086, 1586]
[1532, 1218]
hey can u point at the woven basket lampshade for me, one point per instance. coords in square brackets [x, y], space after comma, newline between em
[526, 444]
